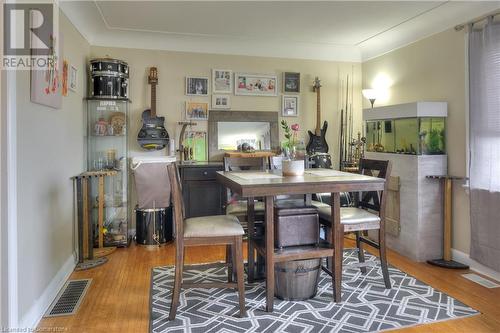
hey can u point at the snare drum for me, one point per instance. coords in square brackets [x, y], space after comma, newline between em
[108, 66]
[153, 226]
[109, 86]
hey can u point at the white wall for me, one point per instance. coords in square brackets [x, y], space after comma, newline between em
[433, 69]
[173, 67]
[49, 152]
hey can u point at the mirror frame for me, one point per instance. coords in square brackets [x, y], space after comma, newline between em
[216, 116]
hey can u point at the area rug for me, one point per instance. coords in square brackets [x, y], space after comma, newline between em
[366, 305]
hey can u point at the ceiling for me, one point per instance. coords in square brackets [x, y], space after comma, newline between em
[326, 30]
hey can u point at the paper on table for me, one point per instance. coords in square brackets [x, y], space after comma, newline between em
[327, 173]
[255, 175]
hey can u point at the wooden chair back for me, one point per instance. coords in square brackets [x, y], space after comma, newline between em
[374, 200]
[178, 202]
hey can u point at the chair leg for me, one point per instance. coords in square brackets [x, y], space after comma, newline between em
[361, 254]
[179, 266]
[238, 261]
[229, 262]
[383, 258]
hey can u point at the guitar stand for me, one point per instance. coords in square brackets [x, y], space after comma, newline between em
[86, 257]
[446, 261]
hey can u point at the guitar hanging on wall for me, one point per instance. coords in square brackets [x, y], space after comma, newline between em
[317, 142]
[153, 135]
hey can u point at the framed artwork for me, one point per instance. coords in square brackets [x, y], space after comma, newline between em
[291, 82]
[197, 141]
[255, 84]
[222, 82]
[196, 86]
[64, 90]
[72, 78]
[221, 102]
[290, 106]
[45, 83]
[196, 111]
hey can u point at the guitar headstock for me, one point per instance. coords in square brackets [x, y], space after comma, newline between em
[153, 76]
[317, 83]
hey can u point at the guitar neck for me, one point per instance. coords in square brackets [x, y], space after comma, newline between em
[318, 111]
[153, 100]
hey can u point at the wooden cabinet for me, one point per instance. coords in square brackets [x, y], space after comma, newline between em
[203, 195]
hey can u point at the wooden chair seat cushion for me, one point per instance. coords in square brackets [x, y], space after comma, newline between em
[352, 218]
[213, 226]
[240, 207]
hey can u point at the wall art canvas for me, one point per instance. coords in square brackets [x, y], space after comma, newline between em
[221, 102]
[222, 82]
[196, 86]
[196, 111]
[65, 78]
[45, 84]
[255, 84]
[291, 82]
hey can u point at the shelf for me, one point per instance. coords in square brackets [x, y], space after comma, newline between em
[107, 136]
[321, 250]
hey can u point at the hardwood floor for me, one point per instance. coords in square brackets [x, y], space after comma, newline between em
[118, 299]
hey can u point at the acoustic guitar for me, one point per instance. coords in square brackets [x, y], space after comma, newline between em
[317, 142]
[153, 135]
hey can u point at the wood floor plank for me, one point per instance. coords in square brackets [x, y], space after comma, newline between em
[118, 298]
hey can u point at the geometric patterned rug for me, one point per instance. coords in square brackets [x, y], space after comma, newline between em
[366, 305]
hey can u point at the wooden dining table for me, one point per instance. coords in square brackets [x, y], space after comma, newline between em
[271, 183]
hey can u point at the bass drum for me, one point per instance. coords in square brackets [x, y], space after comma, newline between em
[109, 86]
[154, 226]
[108, 66]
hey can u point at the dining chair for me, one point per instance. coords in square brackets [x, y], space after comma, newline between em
[368, 213]
[205, 230]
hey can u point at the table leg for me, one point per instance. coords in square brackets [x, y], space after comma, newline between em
[269, 253]
[338, 245]
[251, 233]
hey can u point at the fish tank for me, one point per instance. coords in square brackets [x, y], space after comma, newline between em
[411, 136]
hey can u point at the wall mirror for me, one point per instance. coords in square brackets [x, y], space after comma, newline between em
[229, 129]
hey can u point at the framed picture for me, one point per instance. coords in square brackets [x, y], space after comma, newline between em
[221, 102]
[255, 84]
[65, 70]
[72, 78]
[196, 111]
[222, 82]
[197, 140]
[291, 82]
[290, 106]
[196, 86]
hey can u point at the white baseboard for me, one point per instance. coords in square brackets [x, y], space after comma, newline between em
[464, 258]
[40, 306]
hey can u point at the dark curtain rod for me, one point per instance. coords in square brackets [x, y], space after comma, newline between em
[477, 20]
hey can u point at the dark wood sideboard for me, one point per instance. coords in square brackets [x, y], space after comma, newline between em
[203, 195]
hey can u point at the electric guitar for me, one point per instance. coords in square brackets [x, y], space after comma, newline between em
[317, 142]
[152, 135]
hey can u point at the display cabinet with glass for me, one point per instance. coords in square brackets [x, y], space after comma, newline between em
[107, 150]
[413, 136]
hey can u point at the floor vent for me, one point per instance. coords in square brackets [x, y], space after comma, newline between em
[480, 280]
[69, 298]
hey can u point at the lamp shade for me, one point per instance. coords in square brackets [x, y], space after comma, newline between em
[369, 94]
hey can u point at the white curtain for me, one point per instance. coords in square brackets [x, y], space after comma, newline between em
[484, 110]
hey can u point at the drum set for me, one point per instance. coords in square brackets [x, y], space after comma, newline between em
[108, 78]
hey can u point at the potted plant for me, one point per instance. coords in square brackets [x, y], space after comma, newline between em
[293, 163]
